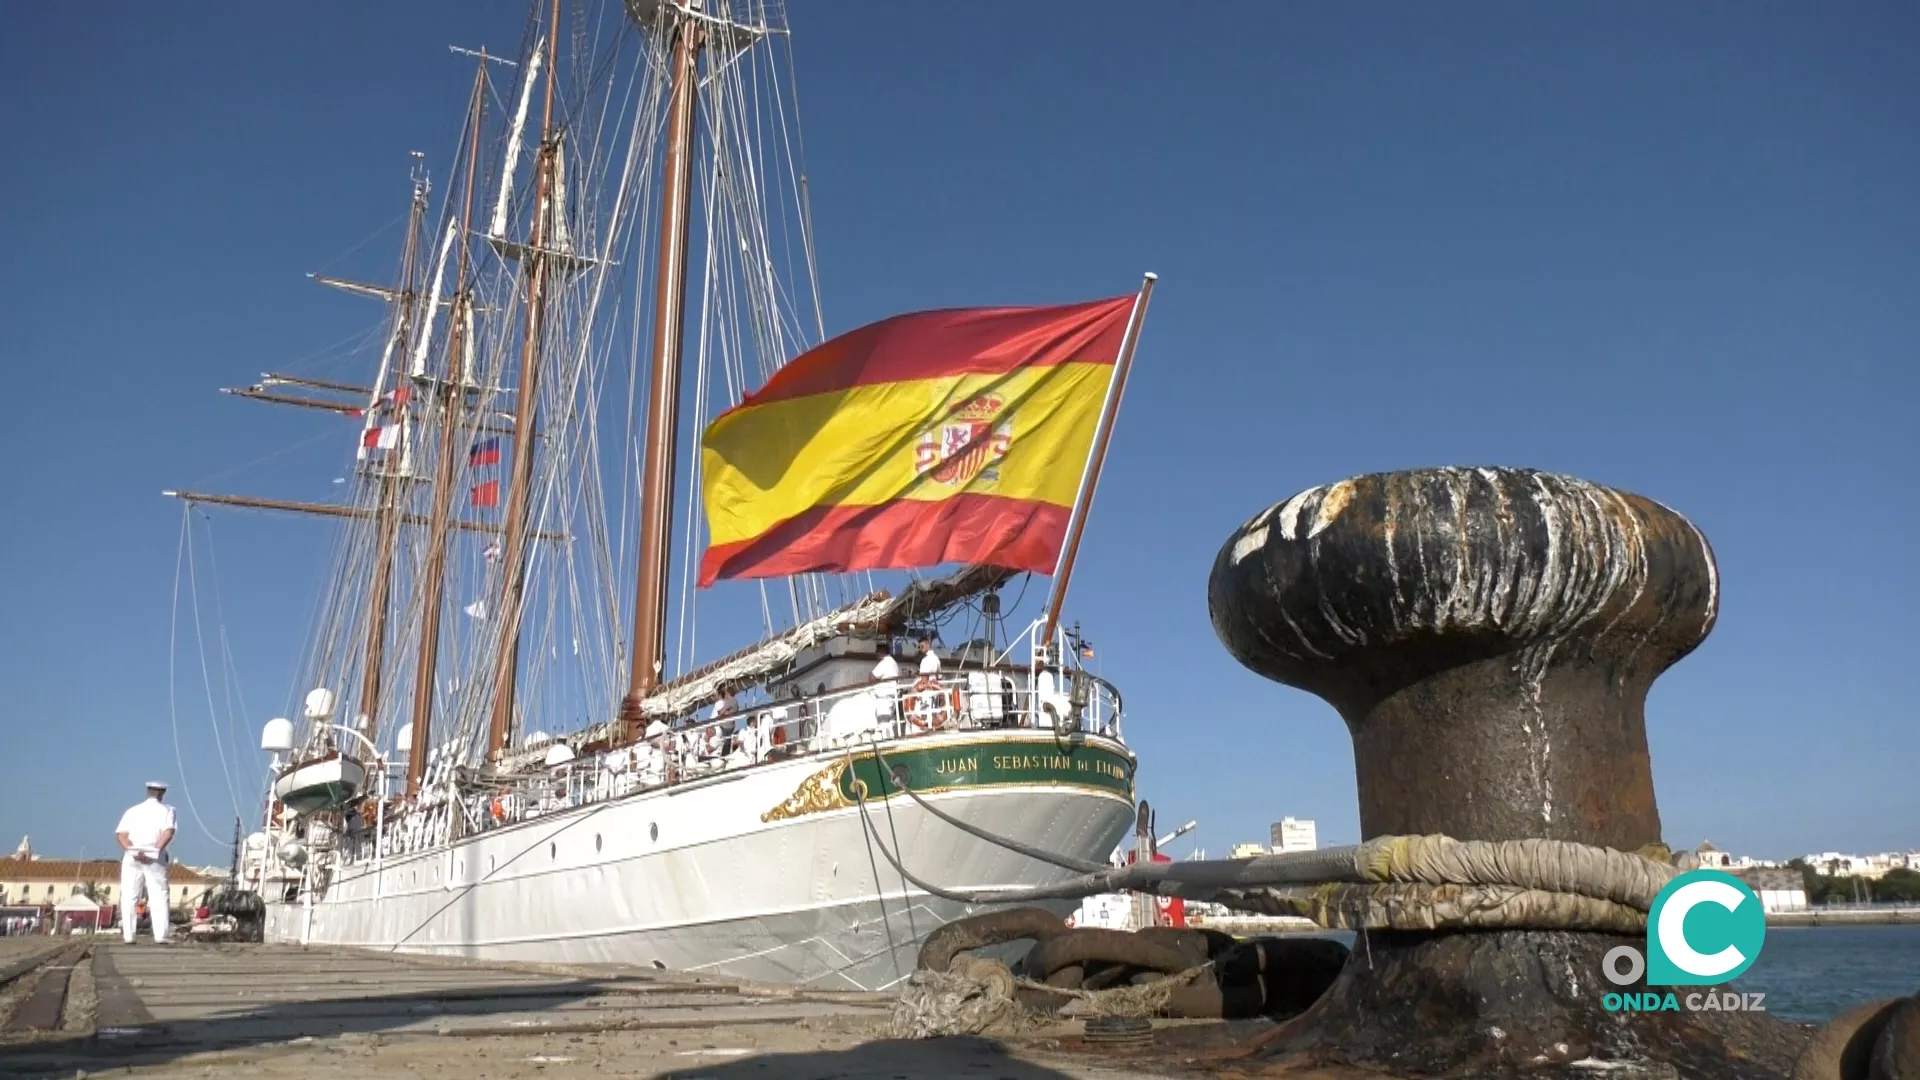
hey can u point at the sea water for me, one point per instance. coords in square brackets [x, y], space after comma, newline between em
[1813, 972]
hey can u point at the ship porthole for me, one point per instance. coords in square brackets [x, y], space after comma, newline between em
[596, 841]
[653, 831]
[659, 965]
[553, 851]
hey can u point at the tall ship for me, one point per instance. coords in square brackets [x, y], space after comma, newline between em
[512, 734]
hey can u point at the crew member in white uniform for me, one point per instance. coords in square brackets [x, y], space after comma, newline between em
[886, 690]
[929, 660]
[145, 831]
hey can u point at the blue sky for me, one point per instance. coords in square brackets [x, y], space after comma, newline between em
[1671, 249]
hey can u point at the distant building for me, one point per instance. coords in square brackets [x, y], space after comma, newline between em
[42, 882]
[1835, 864]
[1294, 834]
[1779, 890]
[1246, 851]
[1879, 865]
[1712, 858]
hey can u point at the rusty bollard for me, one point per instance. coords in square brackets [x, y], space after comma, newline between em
[1489, 637]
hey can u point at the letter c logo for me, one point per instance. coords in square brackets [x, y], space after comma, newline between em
[1726, 937]
[1673, 933]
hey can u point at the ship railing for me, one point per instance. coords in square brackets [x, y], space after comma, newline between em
[884, 711]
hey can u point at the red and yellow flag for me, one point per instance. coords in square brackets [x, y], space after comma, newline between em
[927, 438]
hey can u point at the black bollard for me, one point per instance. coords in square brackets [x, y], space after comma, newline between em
[1489, 637]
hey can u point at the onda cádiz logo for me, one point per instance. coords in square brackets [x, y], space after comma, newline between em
[1706, 927]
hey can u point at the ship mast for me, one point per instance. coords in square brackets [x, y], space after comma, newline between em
[507, 660]
[663, 401]
[389, 514]
[450, 396]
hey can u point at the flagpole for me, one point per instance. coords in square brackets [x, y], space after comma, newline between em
[1096, 457]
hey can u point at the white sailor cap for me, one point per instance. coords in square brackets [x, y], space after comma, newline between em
[160, 784]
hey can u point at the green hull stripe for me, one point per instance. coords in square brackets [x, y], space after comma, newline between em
[992, 764]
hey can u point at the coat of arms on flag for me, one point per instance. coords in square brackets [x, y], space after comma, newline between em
[966, 443]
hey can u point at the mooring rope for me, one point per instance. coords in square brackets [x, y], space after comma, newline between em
[977, 995]
[1387, 883]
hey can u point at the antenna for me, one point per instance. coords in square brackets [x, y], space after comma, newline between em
[422, 183]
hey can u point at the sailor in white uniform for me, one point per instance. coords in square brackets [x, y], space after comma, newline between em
[145, 831]
[886, 690]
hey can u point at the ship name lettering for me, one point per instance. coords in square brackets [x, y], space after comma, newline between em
[1025, 762]
[957, 765]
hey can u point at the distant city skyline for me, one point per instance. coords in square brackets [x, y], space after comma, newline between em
[1325, 841]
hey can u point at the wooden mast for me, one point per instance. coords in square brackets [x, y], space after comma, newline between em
[663, 401]
[391, 483]
[507, 661]
[451, 395]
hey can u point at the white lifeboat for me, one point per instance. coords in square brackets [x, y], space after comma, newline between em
[320, 783]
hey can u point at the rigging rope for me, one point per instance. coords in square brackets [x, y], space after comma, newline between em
[206, 677]
[173, 711]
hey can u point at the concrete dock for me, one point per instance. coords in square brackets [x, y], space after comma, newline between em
[82, 1006]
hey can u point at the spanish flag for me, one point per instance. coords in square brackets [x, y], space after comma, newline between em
[932, 437]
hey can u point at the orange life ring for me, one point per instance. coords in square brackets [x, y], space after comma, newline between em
[939, 708]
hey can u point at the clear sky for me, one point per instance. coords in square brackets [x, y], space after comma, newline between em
[1671, 248]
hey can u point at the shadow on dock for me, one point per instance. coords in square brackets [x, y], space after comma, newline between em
[885, 1059]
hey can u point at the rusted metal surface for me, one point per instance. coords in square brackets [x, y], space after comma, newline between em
[1208, 975]
[1844, 1048]
[1489, 636]
[1120, 948]
[992, 928]
[1897, 1054]
[1506, 623]
[1514, 1002]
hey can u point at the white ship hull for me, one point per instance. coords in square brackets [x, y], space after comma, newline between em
[759, 873]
